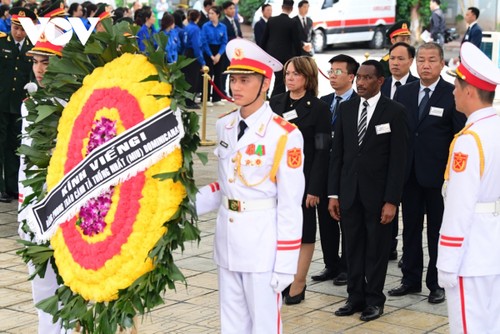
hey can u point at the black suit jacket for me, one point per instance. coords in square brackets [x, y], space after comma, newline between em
[386, 86]
[281, 38]
[329, 98]
[305, 33]
[375, 170]
[474, 35]
[313, 121]
[430, 137]
[258, 30]
[231, 34]
[203, 19]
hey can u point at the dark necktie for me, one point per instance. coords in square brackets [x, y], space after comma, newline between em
[334, 108]
[242, 126]
[304, 22]
[362, 124]
[235, 27]
[397, 84]
[423, 103]
[18, 45]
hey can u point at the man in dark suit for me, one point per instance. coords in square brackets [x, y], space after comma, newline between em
[401, 57]
[474, 33]
[343, 69]
[233, 31]
[433, 122]
[260, 26]
[398, 32]
[365, 185]
[15, 70]
[281, 41]
[207, 4]
[304, 27]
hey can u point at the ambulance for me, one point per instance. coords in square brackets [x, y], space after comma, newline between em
[345, 21]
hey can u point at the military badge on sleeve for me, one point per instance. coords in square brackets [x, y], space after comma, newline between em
[459, 161]
[294, 157]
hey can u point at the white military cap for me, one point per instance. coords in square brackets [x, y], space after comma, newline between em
[248, 57]
[477, 69]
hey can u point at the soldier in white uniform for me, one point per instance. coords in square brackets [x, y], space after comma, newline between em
[258, 194]
[469, 245]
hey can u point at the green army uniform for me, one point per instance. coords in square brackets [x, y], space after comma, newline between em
[400, 28]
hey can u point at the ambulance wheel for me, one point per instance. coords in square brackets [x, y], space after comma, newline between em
[378, 39]
[319, 41]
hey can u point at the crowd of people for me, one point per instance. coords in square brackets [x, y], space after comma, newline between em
[347, 160]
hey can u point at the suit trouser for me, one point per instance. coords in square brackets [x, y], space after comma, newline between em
[10, 129]
[474, 305]
[192, 74]
[248, 303]
[215, 72]
[367, 244]
[395, 231]
[279, 83]
[330, 237]
[417, 201]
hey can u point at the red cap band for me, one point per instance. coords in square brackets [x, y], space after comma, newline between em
[401, 31]
[251, 65]
[470, 78]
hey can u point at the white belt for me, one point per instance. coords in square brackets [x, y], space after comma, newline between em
[490, 207]
[251, 205]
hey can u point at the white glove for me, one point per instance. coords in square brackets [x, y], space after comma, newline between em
[280, 281]
[446, 279]
[31, 87]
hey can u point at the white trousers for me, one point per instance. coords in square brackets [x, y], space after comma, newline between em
[248, 304]
[474, 305]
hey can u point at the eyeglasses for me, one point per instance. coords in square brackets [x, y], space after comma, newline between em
[337, 71]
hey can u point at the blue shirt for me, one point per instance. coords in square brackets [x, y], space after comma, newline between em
[172, 47]
[5, 25]
[180, 33]
[213, 35]
[192, 40]
[145, 34]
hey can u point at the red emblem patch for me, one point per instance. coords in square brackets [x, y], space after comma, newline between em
[459, 161]
[294, 157]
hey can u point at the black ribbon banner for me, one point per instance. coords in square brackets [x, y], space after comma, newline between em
[111, 163]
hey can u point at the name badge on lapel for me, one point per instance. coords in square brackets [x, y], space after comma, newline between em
[292, 114]
[383, 128]
[435, 111]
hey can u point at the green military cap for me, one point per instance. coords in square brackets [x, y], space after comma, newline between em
[19, 12]
[400, 28]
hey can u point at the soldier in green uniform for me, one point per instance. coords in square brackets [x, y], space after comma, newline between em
[399, 32]
[15, 72]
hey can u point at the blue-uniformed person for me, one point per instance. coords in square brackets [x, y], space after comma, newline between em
[398, 32]
[15, 70]
[469, 246]
[258, 194]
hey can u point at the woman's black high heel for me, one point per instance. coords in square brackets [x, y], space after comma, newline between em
[292, 300]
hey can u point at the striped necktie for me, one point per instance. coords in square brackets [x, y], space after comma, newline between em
[362, 124]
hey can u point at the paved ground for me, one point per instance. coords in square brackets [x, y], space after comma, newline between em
[195, 309]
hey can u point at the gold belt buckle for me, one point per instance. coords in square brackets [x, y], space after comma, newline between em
[234, 205]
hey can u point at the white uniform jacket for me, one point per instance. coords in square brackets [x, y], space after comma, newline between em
[262, 239]
[469, 243]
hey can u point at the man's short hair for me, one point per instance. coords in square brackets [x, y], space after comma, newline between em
[438, 2]
[484, 95]
[409, 48]
[227, 4]
[264, 6]
[352, 64]
[474, 11]
[430, 46]
[379, 70]
[207, 3]
[302, 3]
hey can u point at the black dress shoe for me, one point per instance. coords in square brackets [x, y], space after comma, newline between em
[6, 198]
[341, 279]
[437, 296]
[394, 255]
[348, 309]
[404, 289]
[400, 263]
[371, 313]
[324, 275]
[297, 299]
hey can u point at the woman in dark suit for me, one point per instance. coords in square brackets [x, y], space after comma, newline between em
[300, 106]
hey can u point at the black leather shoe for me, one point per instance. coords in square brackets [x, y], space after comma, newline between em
[348, 309]
[324, 275]
[400, 263]
[404, 289]
[341, 279]
[6, 198]
[394, 255]
[437, 296]
[297, 299]
[371, 313]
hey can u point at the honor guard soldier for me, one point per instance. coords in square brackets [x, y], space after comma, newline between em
[258, 194]
[469, 247]
[15, 70]
[399, 32]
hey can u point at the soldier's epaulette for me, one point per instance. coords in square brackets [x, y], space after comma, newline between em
[228, 113]
[386, 57]
[2, 34]
[287, 126]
